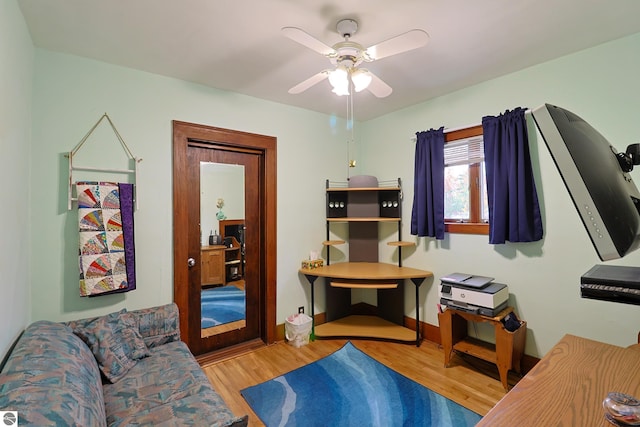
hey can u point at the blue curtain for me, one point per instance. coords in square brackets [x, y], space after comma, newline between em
[427, 216]
[514, 213]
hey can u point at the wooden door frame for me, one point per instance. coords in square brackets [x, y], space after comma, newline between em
[185, 134]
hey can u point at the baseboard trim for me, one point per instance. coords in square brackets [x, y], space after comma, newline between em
[229, 352]
[428, 331]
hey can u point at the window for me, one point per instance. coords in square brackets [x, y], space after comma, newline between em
[465, 188]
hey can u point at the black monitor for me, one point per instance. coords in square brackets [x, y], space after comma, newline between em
[597, 178]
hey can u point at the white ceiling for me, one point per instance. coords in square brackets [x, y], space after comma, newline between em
[237, 45]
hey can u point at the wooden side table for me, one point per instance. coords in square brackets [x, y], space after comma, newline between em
[506, 353]
[212, 265]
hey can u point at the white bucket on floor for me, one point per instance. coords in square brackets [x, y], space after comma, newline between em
[297, 329]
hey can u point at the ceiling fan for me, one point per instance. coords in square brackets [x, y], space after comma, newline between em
[346, 57]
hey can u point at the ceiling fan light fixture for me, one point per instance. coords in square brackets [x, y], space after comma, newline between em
[340, 91]
[361, 78]
[339, 80]
[347, 55]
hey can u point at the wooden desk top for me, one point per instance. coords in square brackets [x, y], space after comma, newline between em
[366, 270]
[568, 385]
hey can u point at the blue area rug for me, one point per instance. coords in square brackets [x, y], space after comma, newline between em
[349, 388]
[222, 305]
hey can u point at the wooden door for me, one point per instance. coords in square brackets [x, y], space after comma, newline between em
[194, 144]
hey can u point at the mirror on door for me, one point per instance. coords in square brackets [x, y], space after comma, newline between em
[222, 213]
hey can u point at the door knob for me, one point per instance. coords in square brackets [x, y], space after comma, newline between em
[191, 262]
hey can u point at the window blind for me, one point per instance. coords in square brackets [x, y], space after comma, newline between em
[464, 151]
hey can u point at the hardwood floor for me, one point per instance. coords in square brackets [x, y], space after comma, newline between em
[214, 330]
[471, 383]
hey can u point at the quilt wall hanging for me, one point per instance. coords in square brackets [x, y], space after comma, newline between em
[107, 248]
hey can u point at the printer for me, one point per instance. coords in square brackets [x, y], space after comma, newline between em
[474, 294]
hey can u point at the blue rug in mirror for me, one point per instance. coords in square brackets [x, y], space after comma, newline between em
[221, 305]
[349, 388]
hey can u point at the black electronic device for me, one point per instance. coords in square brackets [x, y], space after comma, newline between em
[612, 283]
[597, 179]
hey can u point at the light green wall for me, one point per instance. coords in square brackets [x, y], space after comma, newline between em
[16, 65]
[73, 92]
[601, 85]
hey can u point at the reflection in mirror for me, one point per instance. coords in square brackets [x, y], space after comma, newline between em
[222, 212]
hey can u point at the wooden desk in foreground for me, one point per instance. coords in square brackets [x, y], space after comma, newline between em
[568, 385]
[387, 279]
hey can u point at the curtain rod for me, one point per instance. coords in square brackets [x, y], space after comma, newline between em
[527, 112]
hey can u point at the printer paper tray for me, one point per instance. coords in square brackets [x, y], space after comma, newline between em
[475, 309]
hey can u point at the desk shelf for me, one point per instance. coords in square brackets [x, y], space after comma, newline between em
[365, 327]
[333, 242]
[363, 284]
[364, 219]
[360, 189]
[401, 244]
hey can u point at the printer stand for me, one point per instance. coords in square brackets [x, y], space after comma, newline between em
[506, 353]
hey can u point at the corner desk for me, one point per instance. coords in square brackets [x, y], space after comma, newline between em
[387, 279]
[568, 385]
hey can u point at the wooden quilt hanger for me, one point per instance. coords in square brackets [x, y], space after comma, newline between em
[77, 148]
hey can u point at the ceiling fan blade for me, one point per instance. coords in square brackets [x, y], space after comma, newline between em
[307, 40]
[313, 80]
[404, 42]
[378, 87]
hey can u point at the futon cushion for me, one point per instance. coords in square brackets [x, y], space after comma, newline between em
[115, 341]
[169, 387]
[158, 325]
[52, 379]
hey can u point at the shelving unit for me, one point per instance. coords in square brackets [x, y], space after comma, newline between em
[232, 232]
[379, 203]
[233, 261]
[364, 204]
